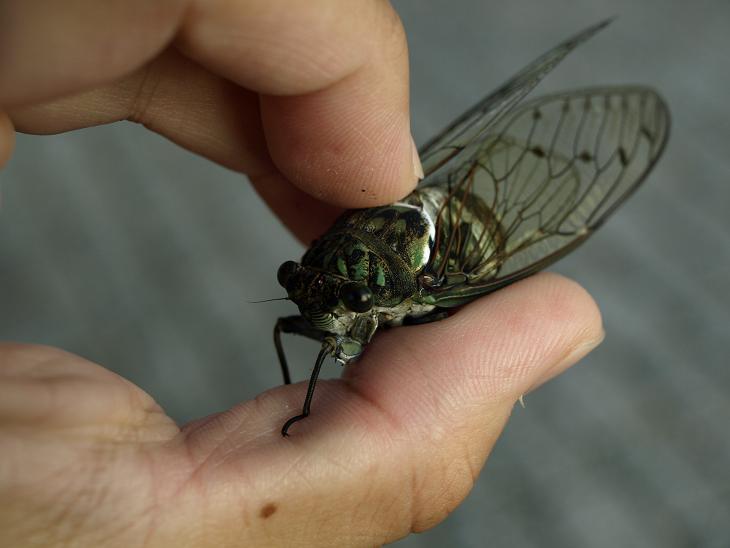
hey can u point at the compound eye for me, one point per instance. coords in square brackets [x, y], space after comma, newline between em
[331, 301]
[285, 272]
[356, 297]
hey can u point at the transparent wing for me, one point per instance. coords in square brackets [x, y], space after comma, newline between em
[541, 182]
[453, 144]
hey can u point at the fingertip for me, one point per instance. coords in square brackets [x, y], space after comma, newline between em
[569, 310]
[338, 149]
[532, 331]
[348, 141]
[575, 325]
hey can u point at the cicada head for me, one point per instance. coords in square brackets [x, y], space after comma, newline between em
[330, 303]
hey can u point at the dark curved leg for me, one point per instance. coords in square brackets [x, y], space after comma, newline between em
[326, 349]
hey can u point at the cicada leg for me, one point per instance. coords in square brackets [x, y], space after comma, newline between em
[299, 326]
[327, 348]
[296, 325]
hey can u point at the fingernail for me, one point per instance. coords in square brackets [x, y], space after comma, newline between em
[7, 138]
[578, 353]
[417, 167]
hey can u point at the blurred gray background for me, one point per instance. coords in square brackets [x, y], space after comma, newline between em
[119, 246]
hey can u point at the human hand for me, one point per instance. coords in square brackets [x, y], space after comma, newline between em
[310, 100]
[88, 458]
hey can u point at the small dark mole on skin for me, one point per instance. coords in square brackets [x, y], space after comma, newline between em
[362, 190]
[268, 510]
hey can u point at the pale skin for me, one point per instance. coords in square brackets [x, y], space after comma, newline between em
[310, 100]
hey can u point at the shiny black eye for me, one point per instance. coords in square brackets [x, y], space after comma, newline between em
[356, 297]
[285, 272]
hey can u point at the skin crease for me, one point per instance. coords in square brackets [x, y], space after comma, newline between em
[311, 117]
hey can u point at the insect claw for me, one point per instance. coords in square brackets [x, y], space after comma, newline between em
[287, 424]
[326, 349]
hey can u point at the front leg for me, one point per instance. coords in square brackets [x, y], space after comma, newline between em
[297, 325]
[328, 346]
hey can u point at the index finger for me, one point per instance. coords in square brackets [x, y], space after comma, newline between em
[335, 81]
[332, 77]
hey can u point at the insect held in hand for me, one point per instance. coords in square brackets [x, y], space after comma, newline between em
[509, 188]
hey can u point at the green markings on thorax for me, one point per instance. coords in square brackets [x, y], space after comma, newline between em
[385, 247]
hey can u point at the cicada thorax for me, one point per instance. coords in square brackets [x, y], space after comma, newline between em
[383, 247]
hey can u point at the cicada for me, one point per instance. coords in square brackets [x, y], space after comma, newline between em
[509, 188]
